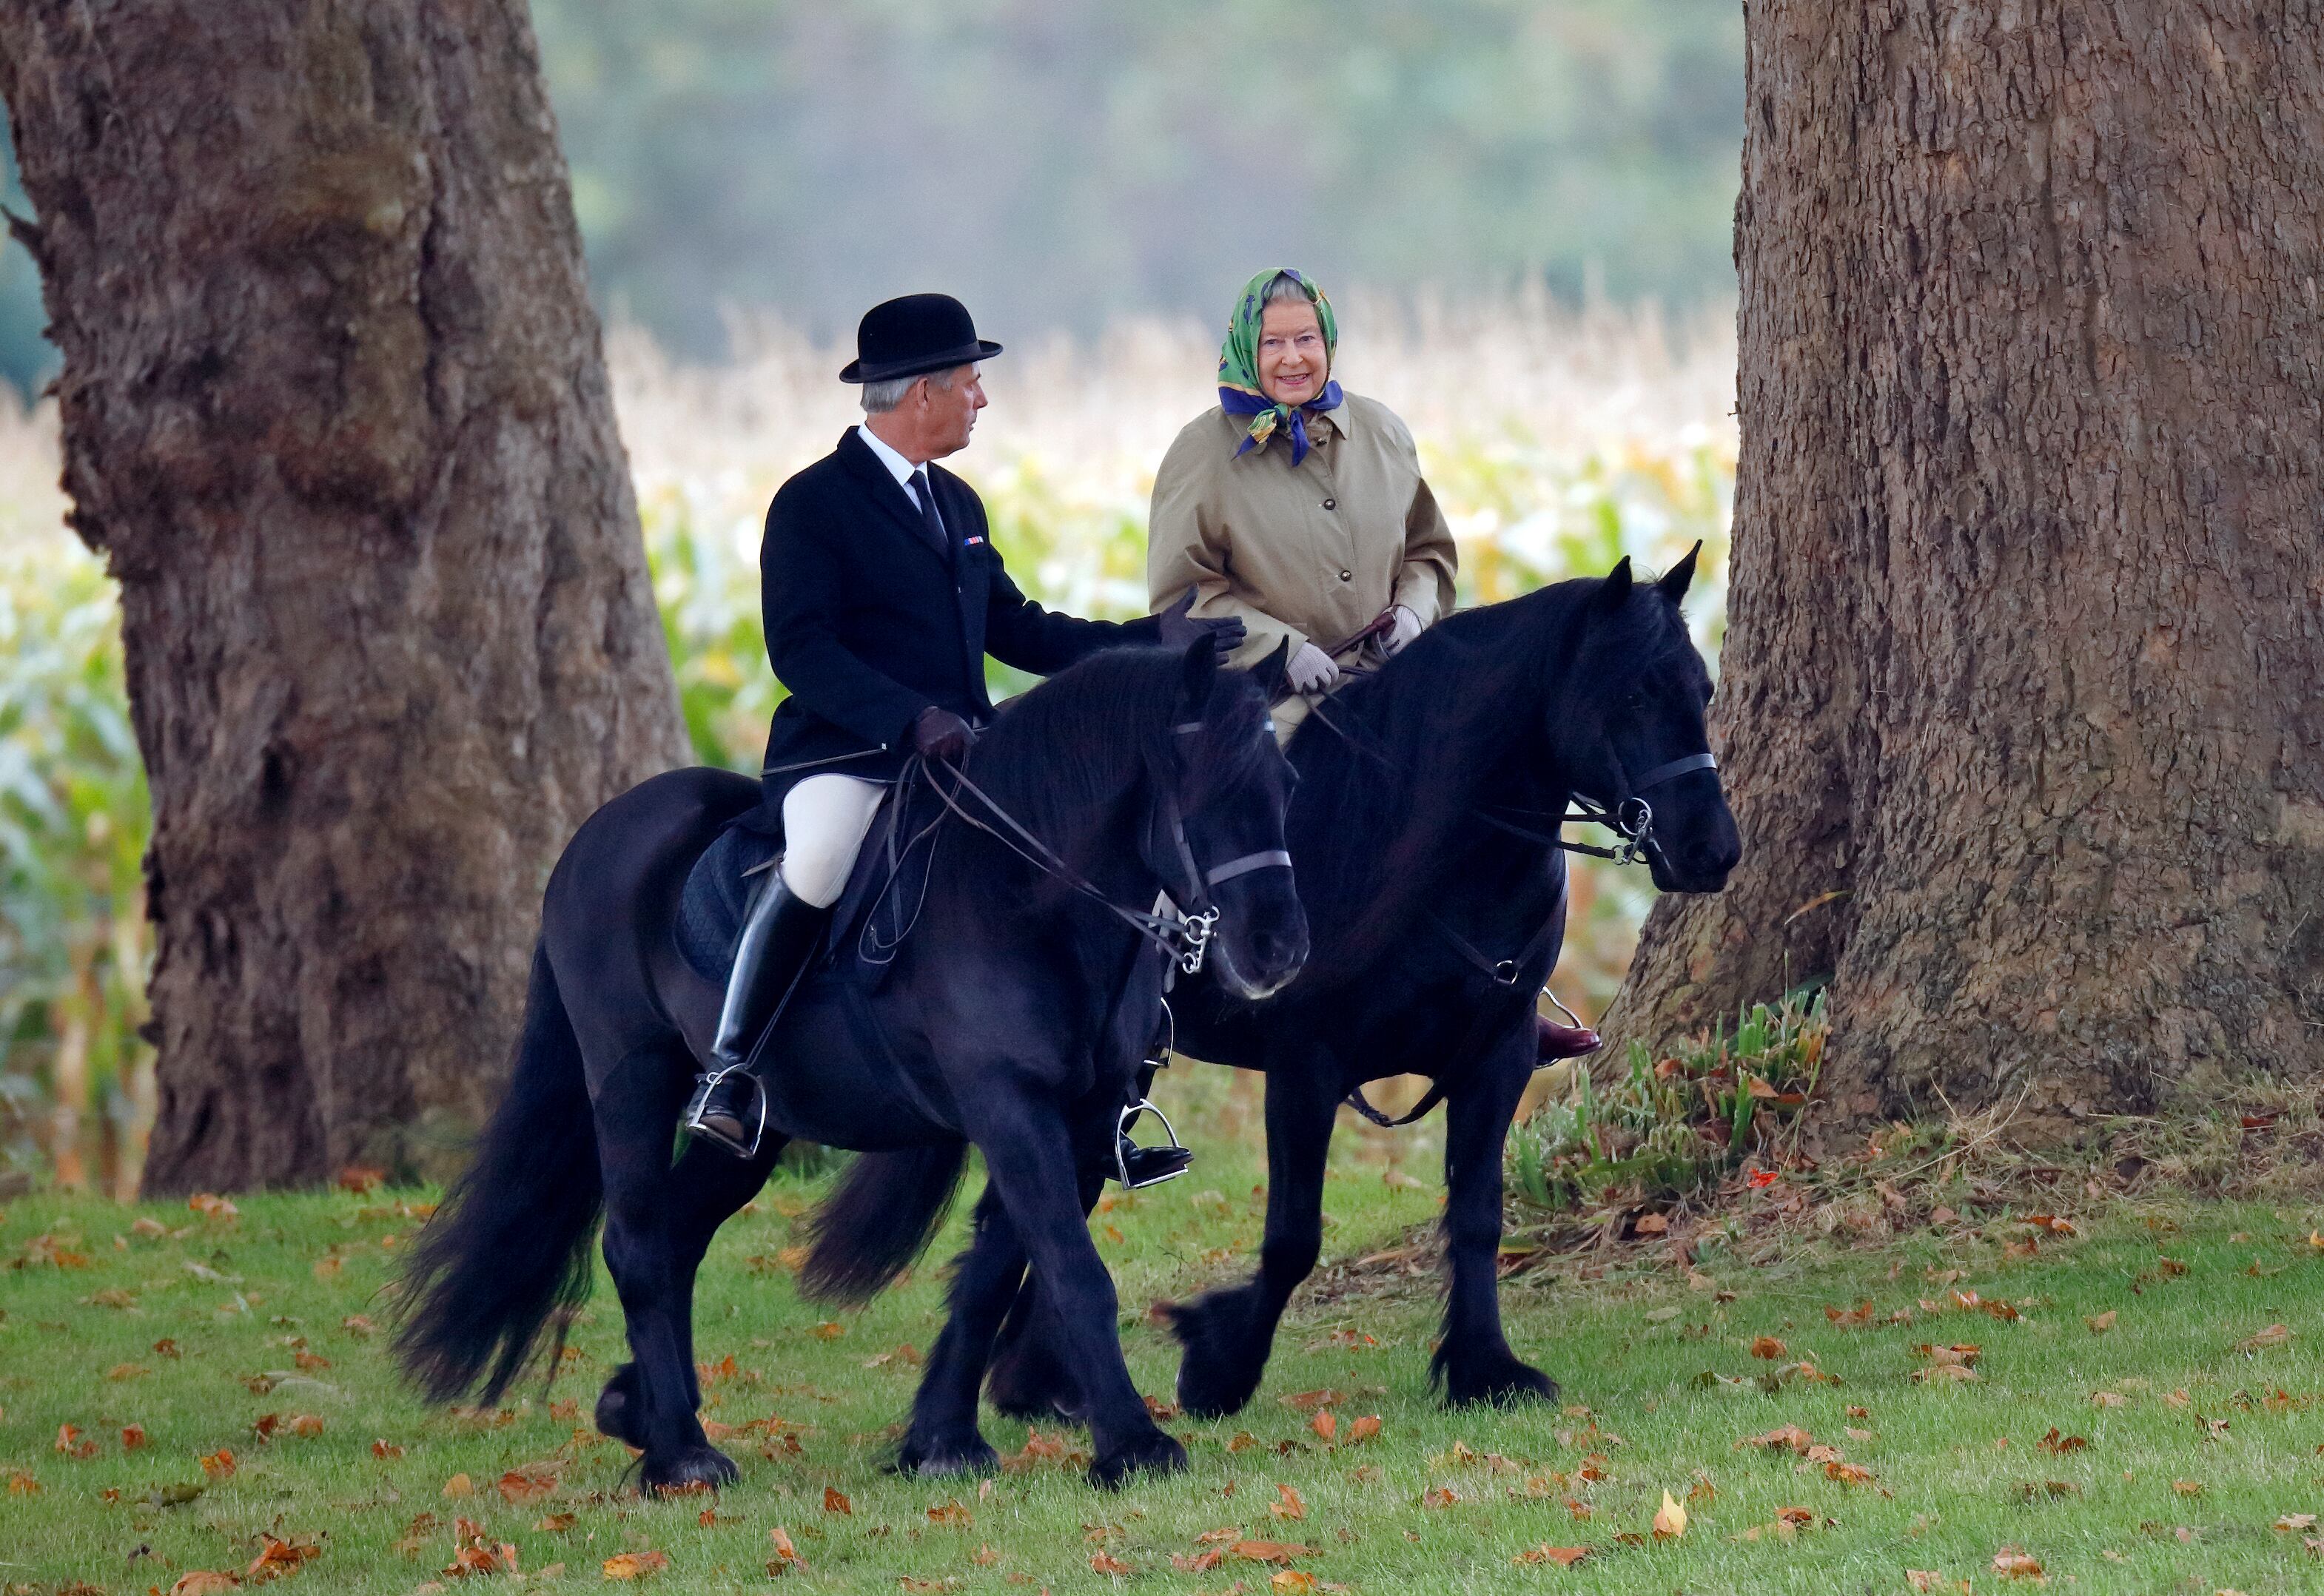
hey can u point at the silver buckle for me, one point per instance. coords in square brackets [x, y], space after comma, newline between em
[1196, 929]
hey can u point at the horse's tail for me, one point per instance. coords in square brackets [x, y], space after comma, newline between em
[883, 1215]
[509, 1249]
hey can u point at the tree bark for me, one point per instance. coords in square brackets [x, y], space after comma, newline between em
[2020, 703]
[334, 410]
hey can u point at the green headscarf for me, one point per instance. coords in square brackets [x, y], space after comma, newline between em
[1239, 390]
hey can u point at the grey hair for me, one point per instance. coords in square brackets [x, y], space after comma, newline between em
[880, 397]
[1286, 289]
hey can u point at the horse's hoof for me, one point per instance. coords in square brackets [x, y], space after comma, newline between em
[940, 1458]
[695, 1468]
[620, 1407]
[1155, 1454]
[1216, 1377]
[1502, 1382]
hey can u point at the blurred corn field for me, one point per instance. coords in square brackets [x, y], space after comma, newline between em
[1557, 441]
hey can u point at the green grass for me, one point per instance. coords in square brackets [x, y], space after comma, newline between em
[1952, 1464]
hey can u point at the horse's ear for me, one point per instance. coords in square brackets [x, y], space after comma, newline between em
[1272, 672]
[1196, 673]
[1679, 577]
[1617, 587]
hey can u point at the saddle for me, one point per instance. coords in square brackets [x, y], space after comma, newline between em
[716, 895]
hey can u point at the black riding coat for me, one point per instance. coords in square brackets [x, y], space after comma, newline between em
[868, 623]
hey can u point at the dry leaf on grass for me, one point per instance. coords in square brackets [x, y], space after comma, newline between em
[835, 1501]
[786, 1558]
[1670, 1520]
[1269, 1551]
[1767, 1347]
[206, 1582]
[2011, 1564]
[1287, 1504]
[1363, 1429]
[1323, 1425]
[280, 1557]
[2102, 1323]
[2291, 1523]
[1291, 1581]
[635, 1565]
[1564, 1557]
[1107, 1563]
[2273, 1335]
[950, 1514]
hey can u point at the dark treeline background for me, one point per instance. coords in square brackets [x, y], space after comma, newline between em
[1059, 161]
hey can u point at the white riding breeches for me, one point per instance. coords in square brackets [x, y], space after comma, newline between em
[824, 818]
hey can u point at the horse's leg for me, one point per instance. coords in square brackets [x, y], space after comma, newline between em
[1473, 1363]
[1025, 1142]
[637, 1122]
[943, 1438]
[706, 1188]
[1229, 1332]
[1030, 1379]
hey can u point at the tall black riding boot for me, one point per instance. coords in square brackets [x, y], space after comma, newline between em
[729, 1109]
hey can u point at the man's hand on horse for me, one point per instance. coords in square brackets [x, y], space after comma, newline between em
[939, 734]
[1182, 629]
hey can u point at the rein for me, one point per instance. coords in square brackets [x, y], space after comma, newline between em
[1185, 940]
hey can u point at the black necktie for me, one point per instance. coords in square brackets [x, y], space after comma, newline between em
[929, 519]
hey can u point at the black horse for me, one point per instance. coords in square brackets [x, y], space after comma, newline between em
[1429, 795]
[1013, 1016]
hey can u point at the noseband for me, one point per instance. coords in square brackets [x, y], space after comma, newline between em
[1633, 817]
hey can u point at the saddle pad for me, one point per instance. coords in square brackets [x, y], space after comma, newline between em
[717, 892]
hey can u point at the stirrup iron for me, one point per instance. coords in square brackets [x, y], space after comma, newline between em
[693, 1123]
[1155, 1164]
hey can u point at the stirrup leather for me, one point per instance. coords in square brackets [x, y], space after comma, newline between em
[1155, 1164]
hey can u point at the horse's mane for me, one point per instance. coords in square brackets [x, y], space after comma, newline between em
[1059, 755]
[1430, 733]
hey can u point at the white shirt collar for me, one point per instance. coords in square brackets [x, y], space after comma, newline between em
[897, 466]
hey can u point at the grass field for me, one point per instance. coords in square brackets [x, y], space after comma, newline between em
[2131, 1421]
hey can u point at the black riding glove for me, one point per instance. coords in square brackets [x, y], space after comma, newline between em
[939, 734]
[1180, 629]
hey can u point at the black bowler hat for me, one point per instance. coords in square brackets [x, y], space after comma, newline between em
[918, 333]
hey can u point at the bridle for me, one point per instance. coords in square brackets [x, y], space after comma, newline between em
[1632, 816]
[1186, 939]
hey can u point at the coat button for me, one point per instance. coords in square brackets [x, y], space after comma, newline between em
[1330, 504]
[1347, 576]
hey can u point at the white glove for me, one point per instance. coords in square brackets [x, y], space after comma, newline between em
[1310, 670]
[1404, 626]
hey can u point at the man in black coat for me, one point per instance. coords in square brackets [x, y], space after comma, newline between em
[882, 594]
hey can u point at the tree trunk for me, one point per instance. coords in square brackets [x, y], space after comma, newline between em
[2020, 703]
[334, 410]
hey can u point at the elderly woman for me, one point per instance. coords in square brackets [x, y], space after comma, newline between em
[1299, 510]
[1296, 508]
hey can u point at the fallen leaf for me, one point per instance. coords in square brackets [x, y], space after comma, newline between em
[2011, 1564]
[132, 1436]
[830, 1330]
[2273, 1335]
[459, 1485]
[1652, 1225]
[1847, 1473]
[358, 1326]
[1767, 1347]
[1790, 1438]
[2102, 1323]
[949, 1513]
[1107, 1563]
[1324, 1424]
[205, 1581]
[1670, 1520]
[635, 1565]
[1308, 1401]
[1443, 1496]
[1363, 1429]
[1564, 1557]
[834, 1501]
[126, 1372]
[555, 1523]
[210, 1205]
[786, 1557]
[2294, 1522]
[1292, 1580]
[1287, 1504]
[218, 1464]
[1269, 1551]
[2108, 1399]
[2187, 1487]
[2054, 1442]
[280, 1557]
[385, 1449]
[1923, 1579]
